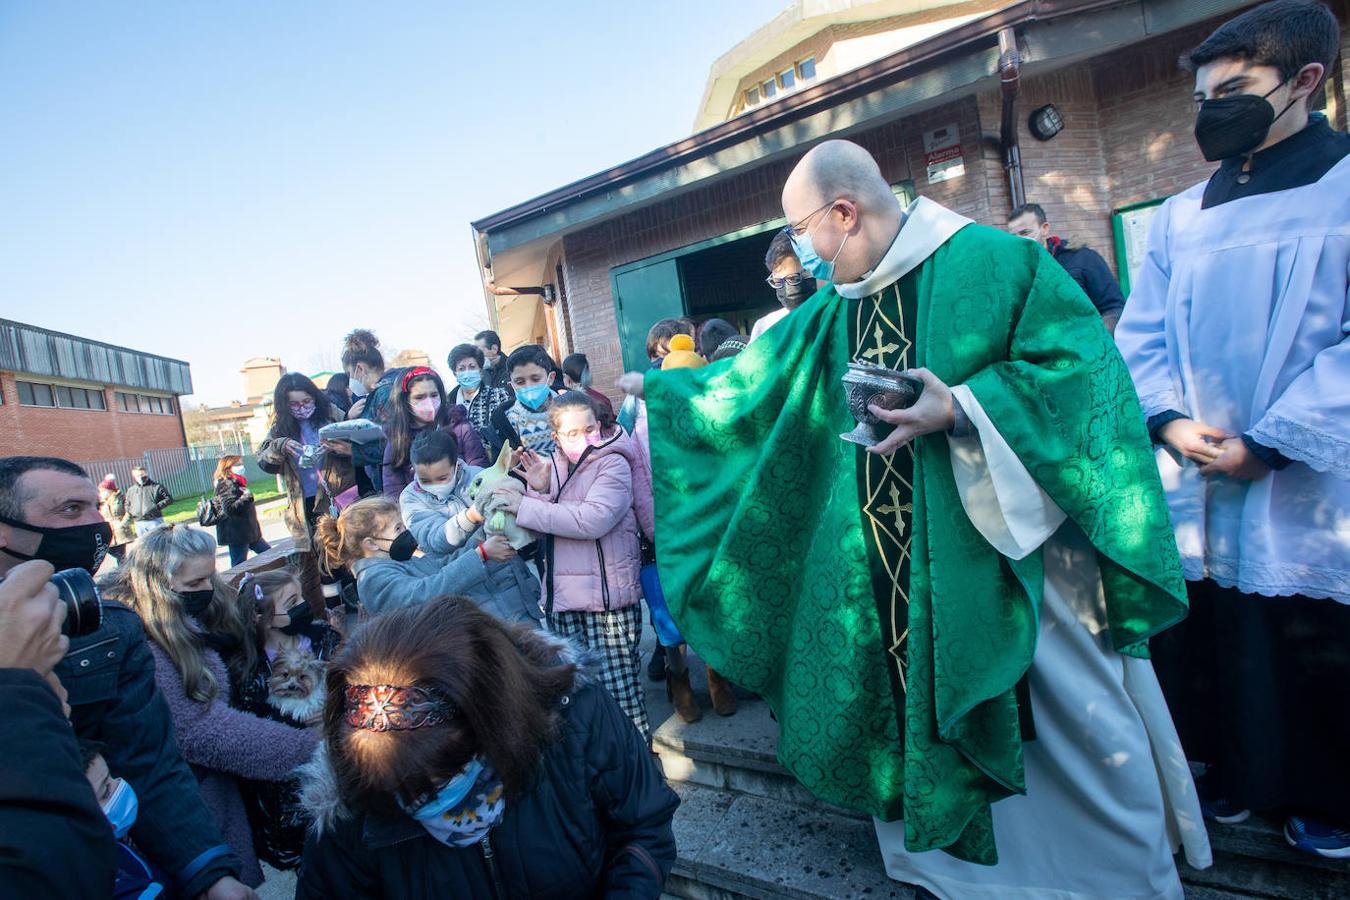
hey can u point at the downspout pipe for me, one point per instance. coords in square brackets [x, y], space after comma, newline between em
[1010, 82]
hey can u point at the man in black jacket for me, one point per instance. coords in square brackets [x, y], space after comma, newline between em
[49, 510]
[1083, 263]
[146, 499]
[495, 374]
[54, 839]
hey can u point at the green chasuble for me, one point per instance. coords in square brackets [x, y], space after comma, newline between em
[852, 592]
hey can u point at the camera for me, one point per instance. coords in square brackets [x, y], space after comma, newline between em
[84, 609]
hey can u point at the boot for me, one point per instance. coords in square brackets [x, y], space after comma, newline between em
[722, 694]
[681, 696]
[656, 667]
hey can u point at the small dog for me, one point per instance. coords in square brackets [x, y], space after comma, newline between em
[296, 687]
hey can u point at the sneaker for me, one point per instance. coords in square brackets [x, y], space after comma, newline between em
[1310, 836]
[656, 669]
[1223, 812]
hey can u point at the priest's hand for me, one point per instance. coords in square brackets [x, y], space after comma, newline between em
[933, 412]
[631, 383]
[1194, 440]
[1236, 461]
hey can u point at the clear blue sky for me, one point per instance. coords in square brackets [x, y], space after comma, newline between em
[215, 181]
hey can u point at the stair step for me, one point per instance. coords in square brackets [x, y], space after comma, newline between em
[735, 845]
[1254, 857]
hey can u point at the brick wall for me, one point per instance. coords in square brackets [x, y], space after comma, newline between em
[1147, 119]
[81, 434]
[1066, 175]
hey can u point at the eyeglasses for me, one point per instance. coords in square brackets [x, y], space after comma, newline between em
[796, 228]
[578, 433]
[793, 280]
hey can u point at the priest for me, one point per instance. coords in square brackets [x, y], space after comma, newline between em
[952, 625]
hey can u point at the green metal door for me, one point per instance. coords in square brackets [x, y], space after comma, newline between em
[642, 295]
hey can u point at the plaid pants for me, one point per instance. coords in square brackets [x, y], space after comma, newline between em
[614, 634]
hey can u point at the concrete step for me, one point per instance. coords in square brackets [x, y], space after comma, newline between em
[728, 770]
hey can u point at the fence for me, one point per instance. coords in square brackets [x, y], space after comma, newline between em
[185, 471]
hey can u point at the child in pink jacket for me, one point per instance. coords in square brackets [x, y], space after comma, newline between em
[582, 498]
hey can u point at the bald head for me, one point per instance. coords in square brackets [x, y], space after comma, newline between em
[838, 196]
[837, 169]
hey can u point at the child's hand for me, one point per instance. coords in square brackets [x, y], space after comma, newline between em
[498, 549]
[536, 469]
[507, 498]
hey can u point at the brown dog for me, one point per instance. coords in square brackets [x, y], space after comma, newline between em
[296, 687]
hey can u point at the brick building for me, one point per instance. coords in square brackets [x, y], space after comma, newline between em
[81, 399]
[682, 230]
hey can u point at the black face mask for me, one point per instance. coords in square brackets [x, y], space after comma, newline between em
[301, 617]
[1235, 126]
[402, 547]
[72, 547]
[794, 295]
[196, 602]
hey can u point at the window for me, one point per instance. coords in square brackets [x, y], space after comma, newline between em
[143, 403]
[806, 69]
[769, 89]
[752, 96]
[32, 394]
[788, 79]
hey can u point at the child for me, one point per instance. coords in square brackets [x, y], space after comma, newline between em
[371, 539]
[523, 421]
[436, 509]
[576, 371]
[416, 406]
[582, 496]
[136, 878]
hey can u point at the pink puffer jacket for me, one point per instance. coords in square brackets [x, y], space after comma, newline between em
[591, 515]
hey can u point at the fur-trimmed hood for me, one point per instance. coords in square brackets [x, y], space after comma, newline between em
[319, 793]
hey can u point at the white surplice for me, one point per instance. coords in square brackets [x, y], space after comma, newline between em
[1109, 792]
[1240, 318]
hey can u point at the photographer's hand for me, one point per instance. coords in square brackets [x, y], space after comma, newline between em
[31, 613]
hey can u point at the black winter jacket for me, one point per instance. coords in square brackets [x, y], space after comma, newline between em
[109, 677]
[54, 839]
[595, 823]
[239, 519]
[146, 502]
[1087, 267]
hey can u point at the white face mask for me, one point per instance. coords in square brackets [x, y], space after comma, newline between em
[441, 492]
[238, 470]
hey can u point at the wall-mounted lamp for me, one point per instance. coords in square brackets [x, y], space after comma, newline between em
[1045, 122]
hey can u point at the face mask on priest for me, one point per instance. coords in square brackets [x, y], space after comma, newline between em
[839, 240]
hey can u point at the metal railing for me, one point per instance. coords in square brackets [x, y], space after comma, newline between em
[185, 471]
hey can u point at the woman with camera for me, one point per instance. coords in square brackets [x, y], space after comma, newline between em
[315, 471]
[169, 580]
[468, 757]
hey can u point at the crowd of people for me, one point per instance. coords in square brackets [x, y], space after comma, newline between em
[443, 693]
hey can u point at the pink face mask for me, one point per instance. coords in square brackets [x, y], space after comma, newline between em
[573, 448]
[426, 408]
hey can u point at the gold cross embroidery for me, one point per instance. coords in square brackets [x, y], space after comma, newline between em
[895, 507]
[880, 349]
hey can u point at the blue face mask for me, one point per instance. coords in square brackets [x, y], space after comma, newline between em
[534, 397]
[469, 380]
[451, 794]
[819, 269]
[121, 809]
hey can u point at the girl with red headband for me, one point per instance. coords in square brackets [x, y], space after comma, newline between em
[418, 403]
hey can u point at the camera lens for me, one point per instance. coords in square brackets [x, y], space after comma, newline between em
[84, 614]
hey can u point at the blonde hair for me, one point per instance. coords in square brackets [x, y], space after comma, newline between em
[144, 582]
[340, 539]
